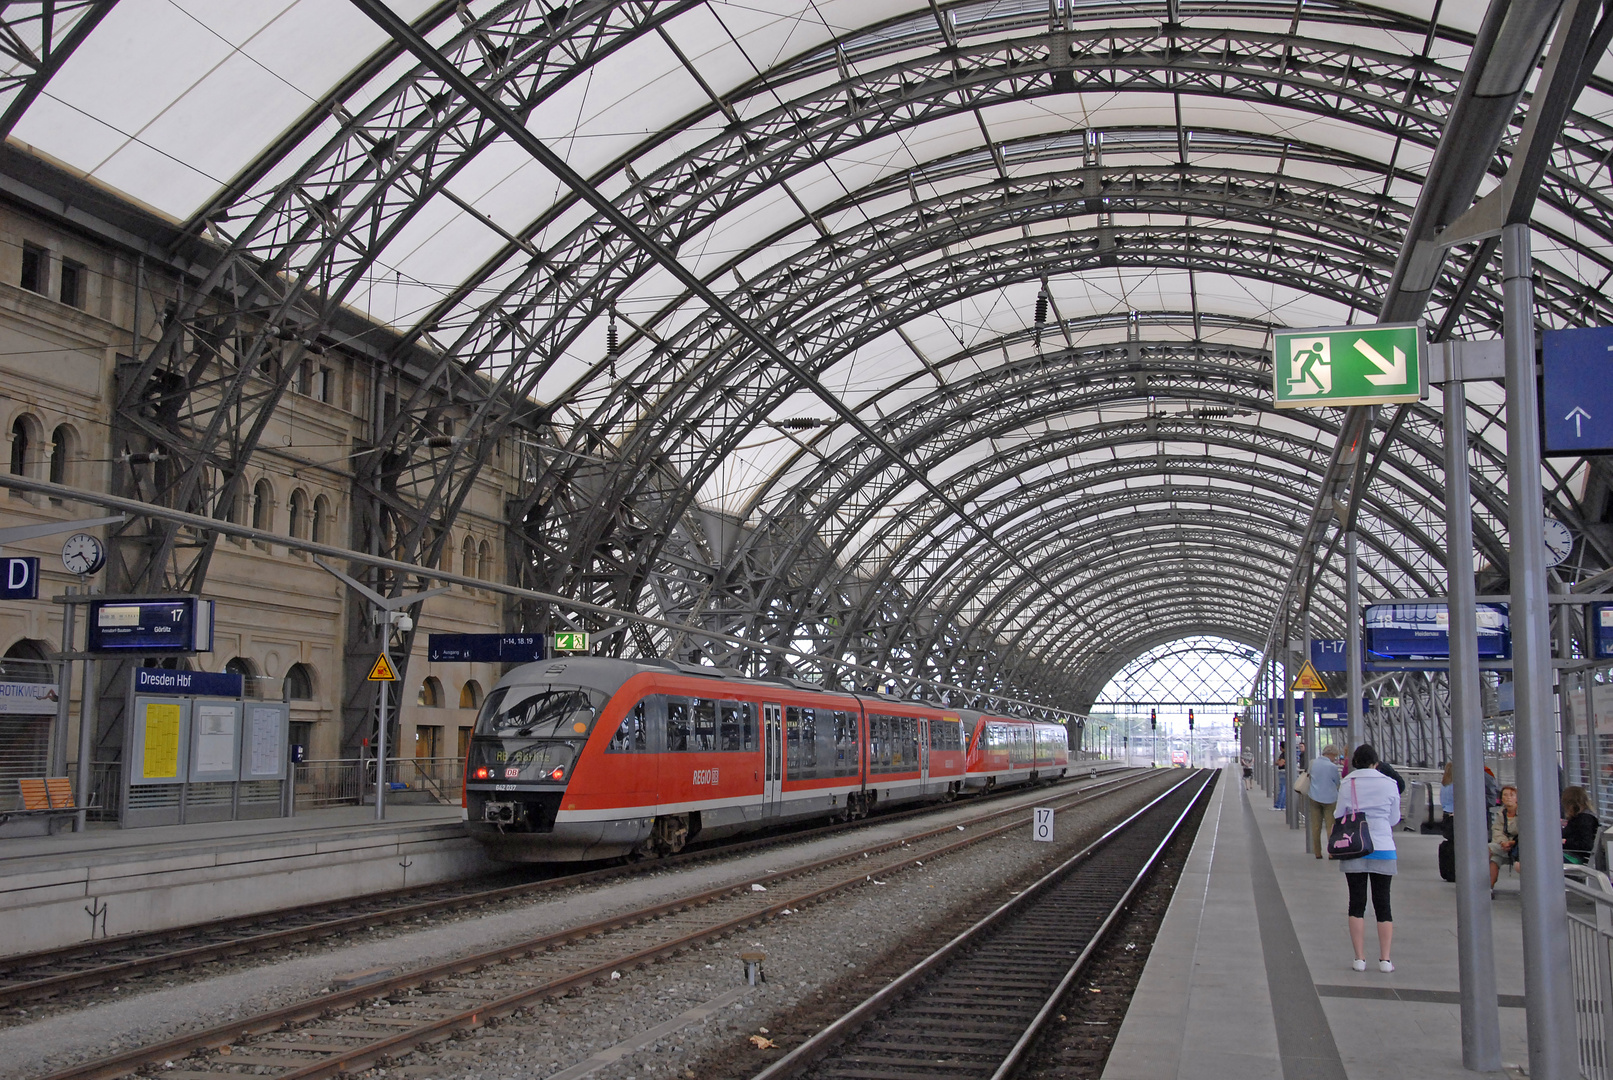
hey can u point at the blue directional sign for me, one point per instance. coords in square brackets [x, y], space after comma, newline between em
[484, 648]
[19, 578]
[182, 624]
[1576, 391]
[1327, 654]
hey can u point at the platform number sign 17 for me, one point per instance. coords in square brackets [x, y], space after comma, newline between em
[1043, 828]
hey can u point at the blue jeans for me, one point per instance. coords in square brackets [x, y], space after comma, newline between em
[1282, 792]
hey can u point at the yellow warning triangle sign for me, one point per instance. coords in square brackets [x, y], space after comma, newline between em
[383, 671]
[1307, 679]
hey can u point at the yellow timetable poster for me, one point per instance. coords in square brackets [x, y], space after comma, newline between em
[162, 742]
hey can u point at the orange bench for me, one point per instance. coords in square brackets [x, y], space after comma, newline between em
[43, 796]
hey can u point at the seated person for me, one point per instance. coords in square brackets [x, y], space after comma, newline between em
[1504, 835]
[1579, 827]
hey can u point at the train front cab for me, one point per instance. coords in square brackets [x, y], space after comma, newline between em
[1005, 751]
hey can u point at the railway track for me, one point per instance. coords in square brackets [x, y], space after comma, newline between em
[351, 1030]
[973, 1008]
[30, 978]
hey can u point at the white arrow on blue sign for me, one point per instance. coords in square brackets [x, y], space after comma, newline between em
[1576, 390]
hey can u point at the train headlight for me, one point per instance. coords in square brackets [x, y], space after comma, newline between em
[482, 774]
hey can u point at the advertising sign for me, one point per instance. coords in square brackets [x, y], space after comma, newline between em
[1422, 632]
[28, 699]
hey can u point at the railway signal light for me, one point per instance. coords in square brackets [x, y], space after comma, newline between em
[1190, 719]
[1153, 719]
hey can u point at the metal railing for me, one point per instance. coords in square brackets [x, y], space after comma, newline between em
[1590, 948]
[347, 781]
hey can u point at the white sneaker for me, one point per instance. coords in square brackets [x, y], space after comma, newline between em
[1358, 965]
[1385, 966]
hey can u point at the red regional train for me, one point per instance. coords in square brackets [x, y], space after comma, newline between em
[591, 757]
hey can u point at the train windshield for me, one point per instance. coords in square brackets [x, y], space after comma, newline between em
[549, 712]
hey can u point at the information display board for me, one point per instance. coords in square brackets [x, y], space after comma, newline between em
[215, 728]
[181, 624]
[159, 740]
[263, 740]
[1600, 617]
[1422, 632]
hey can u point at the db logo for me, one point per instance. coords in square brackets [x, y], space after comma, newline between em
[705, 776]
[511, 773]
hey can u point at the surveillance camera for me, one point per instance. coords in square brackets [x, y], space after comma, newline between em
[405, 624]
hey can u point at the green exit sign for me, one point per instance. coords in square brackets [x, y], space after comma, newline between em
[570, 641]
[1389, 702]
[1349, 365]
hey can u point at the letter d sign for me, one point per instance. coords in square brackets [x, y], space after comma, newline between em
[21, 579]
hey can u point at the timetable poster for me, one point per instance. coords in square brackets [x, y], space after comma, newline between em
[161, 758]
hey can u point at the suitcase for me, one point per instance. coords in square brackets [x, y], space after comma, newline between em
[1447, 860]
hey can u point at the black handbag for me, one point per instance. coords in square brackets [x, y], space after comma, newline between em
[1350, 838]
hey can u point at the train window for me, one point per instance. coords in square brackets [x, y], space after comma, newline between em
[910, 742]
[883, 731]
[845, 736]
[677, 724]
[553, 712]
[703, 733]
[753, 739]
[801, 742]
[632, 736]
[944, 735]
[732, 729]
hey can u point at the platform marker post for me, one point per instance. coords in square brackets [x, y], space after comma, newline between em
[1475, 952]
[1548, 990]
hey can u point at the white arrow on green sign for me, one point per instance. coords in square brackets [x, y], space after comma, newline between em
[1349, 365]
[570, 641]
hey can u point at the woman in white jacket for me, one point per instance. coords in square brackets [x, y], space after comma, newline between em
[1378, 797]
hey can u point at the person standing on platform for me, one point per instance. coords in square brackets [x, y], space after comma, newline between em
[1323, 796]
[1248, 763]
[1281, 802]
[1373, 794]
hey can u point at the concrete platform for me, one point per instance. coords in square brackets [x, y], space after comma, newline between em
[1250, 978]
[153, 879]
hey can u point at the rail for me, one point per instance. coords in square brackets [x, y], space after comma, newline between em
[1590, 948]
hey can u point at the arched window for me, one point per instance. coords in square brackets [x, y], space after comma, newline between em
[62, 448]
[262, 505]
[470, 695]
[319, 526]
[298, 684]
[430, 693]
[467, 557]
[486, 573]
[248, 671]
[23, 441]
[298, 524]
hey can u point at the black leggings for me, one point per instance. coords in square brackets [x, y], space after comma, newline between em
[1380, 895]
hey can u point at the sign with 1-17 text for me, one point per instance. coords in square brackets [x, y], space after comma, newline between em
[1373, 364]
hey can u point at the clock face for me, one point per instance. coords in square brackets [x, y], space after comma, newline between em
[1559, 542]
[83, 554]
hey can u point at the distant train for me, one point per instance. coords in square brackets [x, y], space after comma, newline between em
[590, 757]
[1179, 759]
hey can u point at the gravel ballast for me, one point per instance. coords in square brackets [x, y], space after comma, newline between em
[842, 948]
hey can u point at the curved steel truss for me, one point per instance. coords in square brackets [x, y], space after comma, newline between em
[1037, 249]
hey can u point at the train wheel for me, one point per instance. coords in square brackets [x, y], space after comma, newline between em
[670, 834]
[952, 792]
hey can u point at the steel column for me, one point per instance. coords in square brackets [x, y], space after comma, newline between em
[1353, 733]
[1475, 952]
[1309, 739]
[1548, 993]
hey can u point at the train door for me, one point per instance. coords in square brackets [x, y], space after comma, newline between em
[772, 758]
[924, 754]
